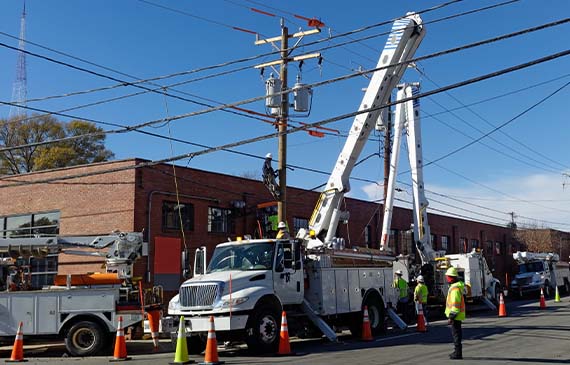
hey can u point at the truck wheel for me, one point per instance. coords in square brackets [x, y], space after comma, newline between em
[196, 344]
[262, 330]
[566, 286]
[85, 338]
[375, 317]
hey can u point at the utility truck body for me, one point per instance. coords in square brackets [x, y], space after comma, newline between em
[540, 271]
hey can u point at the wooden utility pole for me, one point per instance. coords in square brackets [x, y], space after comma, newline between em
[283, 113]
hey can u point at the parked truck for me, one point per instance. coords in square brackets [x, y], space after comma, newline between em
[320, 285]
[81, 309]
[472, 266]
[540, 270]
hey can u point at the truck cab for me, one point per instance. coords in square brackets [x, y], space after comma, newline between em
[245, 286]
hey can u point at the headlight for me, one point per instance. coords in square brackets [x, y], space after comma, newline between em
[234, 301]
[174, 303]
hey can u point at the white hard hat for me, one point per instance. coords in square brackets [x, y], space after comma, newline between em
[420, 279]
[281, 225]
[398, 272]
[269, 155]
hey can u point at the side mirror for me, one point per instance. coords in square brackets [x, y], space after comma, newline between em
[279, 267]
[185, 263]
[200, 261]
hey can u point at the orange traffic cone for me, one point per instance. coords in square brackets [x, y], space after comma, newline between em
[542, 301]
[366, 330]
[120, 344]
[502, 307]
[421, 327]
[211, 356]
[284, 345]
[153, 321]
[18, 349]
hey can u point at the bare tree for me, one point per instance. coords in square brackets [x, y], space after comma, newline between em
[538, 239]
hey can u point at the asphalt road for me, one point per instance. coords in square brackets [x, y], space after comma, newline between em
[527, 336]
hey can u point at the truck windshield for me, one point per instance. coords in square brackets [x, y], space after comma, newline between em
[244, 256]
[531, 267]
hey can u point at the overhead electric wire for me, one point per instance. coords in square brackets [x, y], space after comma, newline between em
[261, 55]
[302, 128]
[492, 125]
[345, 77]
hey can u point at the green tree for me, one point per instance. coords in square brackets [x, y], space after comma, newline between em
[20, 131]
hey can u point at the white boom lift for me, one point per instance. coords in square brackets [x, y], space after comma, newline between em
[80, 308]
[479, 280]
[401, 46]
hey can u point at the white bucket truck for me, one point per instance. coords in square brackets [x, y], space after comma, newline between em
[248, 283]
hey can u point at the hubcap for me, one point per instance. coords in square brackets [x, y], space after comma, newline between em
[267, 329]
[83, 339]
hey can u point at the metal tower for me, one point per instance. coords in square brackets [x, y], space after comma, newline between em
[19, 90]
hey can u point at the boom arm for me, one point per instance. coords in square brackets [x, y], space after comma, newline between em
[405, 37]
[123, 248]
[408, 116]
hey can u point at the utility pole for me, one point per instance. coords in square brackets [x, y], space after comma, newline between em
[282, 127]
[19, 89]
[282, 114]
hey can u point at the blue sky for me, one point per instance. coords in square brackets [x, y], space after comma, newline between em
[145, 41]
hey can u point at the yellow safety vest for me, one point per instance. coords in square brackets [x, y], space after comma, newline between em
[402, 286]
[455, 302]
[421, 293]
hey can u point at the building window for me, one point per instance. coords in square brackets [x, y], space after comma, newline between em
[462, 245]
[489, 248]
[173, 213]
[220, 220]
[43, 271]
[433, 241]
[368, 235]
[299, 223]
[30, 225]
[473, 245]
[498, 248]
[393, 240]
[445, 243]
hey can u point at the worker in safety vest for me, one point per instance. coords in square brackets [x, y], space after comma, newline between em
[455, 310]
[420, 296]
[283, 233]
[402, 286]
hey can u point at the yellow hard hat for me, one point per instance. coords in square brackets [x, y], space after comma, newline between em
[451, 272]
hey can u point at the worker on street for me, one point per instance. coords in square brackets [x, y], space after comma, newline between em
[420, 296]
[455, 310]
[402, 286]
[283, 233]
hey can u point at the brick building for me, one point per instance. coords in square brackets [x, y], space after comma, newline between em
[128, 195]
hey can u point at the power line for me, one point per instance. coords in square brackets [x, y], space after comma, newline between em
[345, 77]
[307, 126]
[423, 73]
[265, 54]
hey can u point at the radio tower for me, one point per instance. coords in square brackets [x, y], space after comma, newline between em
[19, 90]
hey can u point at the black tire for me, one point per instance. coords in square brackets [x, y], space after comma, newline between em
[497, 294]
[262, 329]
[376, 317]
[547, 290]
[86, 338]
[196, 344]
[566, 286]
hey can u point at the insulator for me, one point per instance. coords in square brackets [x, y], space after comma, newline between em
[272, 89]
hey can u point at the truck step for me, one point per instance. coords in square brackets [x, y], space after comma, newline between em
[319, 322]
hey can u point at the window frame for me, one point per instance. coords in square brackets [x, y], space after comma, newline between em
[227, 220]
[188, 216]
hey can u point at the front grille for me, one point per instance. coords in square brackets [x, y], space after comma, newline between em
[524, 281]
[199, 295]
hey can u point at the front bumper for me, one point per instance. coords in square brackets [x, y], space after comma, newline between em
[202, 324]
[526, 288]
